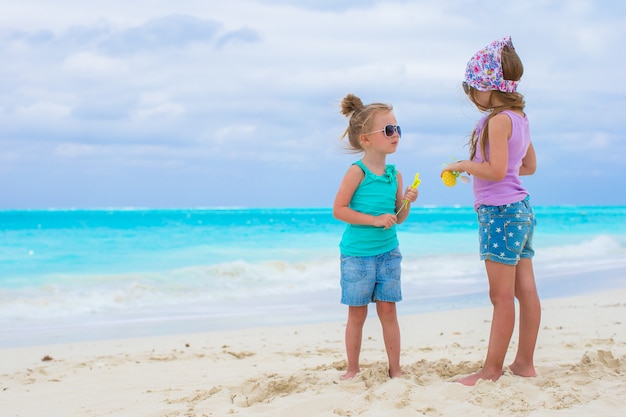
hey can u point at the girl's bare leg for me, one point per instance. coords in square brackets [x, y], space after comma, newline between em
[529, 321]
[391, 334]
[502, 294]
[354, 335]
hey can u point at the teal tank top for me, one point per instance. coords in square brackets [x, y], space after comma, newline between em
[375, 195]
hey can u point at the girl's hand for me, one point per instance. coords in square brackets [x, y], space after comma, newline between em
[410, 195]
[454, 167]
[385, 220]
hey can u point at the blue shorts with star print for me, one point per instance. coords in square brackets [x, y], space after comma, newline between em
[506, 232]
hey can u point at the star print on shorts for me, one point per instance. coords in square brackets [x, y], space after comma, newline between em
[506, 232]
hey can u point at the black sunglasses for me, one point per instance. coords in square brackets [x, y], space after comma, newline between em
[389, 131]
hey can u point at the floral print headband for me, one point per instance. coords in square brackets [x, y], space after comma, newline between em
[484, 69]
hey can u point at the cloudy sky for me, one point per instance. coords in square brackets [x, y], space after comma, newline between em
[195, 103]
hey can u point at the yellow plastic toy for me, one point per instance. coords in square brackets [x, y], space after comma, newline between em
[449, 178]
[416, 183]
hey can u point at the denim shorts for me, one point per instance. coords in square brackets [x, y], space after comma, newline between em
[367, 279]
[506, 232]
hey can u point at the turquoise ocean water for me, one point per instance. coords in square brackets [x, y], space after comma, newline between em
[68, 275]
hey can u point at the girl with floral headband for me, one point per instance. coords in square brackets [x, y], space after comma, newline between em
[500, 152]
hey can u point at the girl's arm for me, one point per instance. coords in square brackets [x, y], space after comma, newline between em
[410, 195]
[494, 169]
[341, 209]
[529, 163]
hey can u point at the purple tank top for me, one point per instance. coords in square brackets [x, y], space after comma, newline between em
[510, 189]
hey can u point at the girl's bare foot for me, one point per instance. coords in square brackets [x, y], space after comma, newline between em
[395, 373]
[349, 375]
[523, 370]
[471, 380]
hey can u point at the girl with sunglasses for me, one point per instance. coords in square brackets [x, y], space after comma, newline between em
[371, 202]
[500, 152]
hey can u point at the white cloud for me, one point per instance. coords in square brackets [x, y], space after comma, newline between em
[239, 133]
[93, 65]
[159, 111]
[73, 150]
[162, 33]
[43, 110]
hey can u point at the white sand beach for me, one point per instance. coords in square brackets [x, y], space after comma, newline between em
[294, 371]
